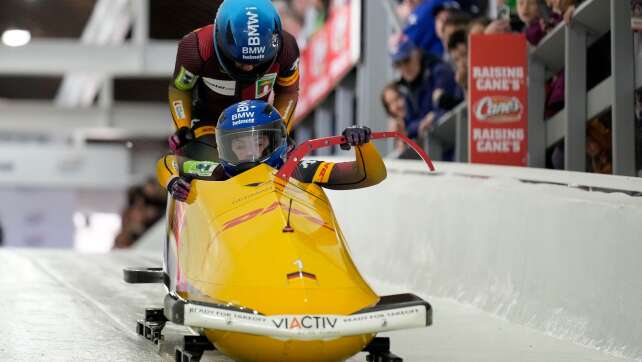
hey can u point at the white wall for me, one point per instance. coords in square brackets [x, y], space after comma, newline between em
[37, 218]
[559, 259]
[61, 166]
[42, 187]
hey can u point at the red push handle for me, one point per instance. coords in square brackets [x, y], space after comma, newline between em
[308, 146]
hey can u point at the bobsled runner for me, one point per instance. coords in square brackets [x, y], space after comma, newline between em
[259, 264]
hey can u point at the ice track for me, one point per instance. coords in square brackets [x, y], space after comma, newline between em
[63, 306]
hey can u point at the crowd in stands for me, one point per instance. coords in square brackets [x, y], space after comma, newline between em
[430, 54]
[145, 206]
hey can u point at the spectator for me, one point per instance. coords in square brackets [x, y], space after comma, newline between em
[421, 27]
[564, 8]
[442, 13]
[458, 51]
[536, 29]
[395, 106]
[478, 25]
[498, 26]
[404, 9]
[428, 86]
[537, 25]
[132, 226]
[457, 20]
[598, 148]
[145, 206]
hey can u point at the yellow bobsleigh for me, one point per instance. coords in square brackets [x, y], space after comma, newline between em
[260, 264]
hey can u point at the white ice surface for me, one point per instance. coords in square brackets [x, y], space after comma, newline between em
[63, 306]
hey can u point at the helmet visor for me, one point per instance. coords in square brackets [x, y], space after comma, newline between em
[249, 145]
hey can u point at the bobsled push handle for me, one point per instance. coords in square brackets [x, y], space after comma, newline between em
[308, 146]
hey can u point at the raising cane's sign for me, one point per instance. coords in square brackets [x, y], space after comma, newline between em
[497, 106]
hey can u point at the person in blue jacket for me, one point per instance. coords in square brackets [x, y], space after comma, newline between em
[421, 22]
[428, 85]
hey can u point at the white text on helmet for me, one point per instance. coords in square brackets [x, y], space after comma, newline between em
[242, 121]
[252, 27]
[253, 50]
[242, 115]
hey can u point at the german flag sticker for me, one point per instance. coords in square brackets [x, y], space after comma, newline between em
[301, 275]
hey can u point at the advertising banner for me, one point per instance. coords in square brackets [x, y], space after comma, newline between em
[329, 54]
[497, 105]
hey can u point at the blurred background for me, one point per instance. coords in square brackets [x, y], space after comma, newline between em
[83, 95]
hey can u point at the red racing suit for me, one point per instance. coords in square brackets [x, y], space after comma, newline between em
[200, 89]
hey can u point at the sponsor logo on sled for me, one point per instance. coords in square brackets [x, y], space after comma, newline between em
[274, 206]
[498, 109]
[305, 322]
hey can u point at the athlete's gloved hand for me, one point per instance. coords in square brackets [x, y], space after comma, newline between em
[179, 188]
[355, 136]
[182, 136]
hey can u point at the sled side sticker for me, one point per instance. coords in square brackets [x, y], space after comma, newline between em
[301, 275]
[306, 322]
[275, 205]
[306, 326]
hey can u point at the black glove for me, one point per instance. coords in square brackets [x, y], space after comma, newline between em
[182, 136]
[179, 188]
[355, 136]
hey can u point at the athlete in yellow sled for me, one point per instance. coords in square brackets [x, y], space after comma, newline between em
[257, 259]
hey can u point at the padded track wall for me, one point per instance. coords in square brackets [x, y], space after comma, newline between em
[556, 258]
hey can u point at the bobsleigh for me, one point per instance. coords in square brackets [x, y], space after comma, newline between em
[259, 265]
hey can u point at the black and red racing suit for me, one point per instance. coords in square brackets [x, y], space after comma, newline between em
[200, 89]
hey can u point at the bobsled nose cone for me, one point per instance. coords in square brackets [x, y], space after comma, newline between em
[273, 350]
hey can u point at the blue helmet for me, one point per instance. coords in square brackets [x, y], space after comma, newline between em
[247, 32]
[249, 133]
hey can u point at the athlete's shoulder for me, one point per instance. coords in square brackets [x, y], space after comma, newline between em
[289, 41]
[205, 41]
[289, 45]
[288, 58]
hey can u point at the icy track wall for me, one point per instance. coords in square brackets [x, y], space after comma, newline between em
[559, 259]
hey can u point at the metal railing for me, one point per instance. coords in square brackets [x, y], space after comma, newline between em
[565, 47]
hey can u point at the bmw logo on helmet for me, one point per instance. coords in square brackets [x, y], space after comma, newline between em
[247, 32]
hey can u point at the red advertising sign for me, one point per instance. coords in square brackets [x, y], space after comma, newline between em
[497, 106]
[329, 55]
